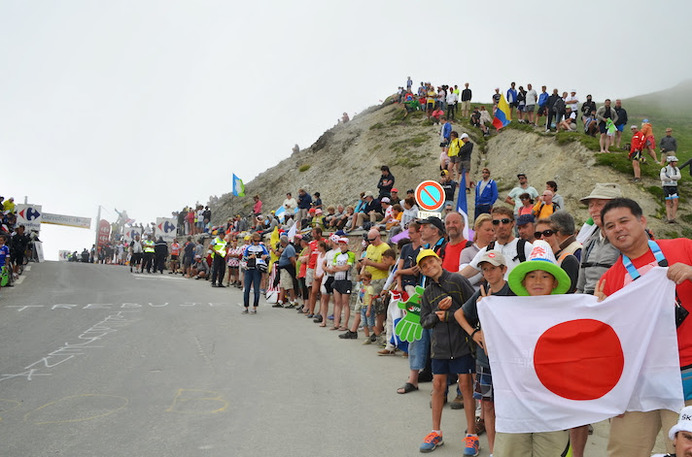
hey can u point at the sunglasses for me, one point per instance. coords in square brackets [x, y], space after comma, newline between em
[504, 221]
[545, 233]
[371, 239]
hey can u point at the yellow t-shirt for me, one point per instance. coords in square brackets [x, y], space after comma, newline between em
[374, 253]
[542, 213]
[454, 147]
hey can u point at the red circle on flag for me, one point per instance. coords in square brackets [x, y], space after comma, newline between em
[580, 359]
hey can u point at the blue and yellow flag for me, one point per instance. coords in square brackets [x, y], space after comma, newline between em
[502, 114]
[238, 186]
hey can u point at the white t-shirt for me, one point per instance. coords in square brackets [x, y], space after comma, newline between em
[508, 250]
[531, 97]
[575, 105]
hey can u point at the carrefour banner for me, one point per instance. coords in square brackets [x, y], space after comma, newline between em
[29, 216]
[165, 228]
[130, 234]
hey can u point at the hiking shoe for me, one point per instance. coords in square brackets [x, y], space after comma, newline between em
[220, 285]
[480, 426]
[431, 442]
[373, 338]
[278, 305]
[457, 403]
[289, 305]
[472, 445]
[349, 335]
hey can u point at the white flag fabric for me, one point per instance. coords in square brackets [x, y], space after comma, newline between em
[561, 361]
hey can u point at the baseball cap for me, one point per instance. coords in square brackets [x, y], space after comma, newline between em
[385, 200]
[426, 253]
[633, 127]
[521, 174]
[394, 189]
[493, 257]
[343, 240]
[525, 219]
[444, 173]
[463, 135]
[368, 194]
[684, 423]
[603, 191]
[334, 238]
[434, 221]
[671, 159]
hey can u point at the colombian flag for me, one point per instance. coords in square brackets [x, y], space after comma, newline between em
[502, 116]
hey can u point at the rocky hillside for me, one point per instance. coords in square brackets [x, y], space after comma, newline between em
[346, 160]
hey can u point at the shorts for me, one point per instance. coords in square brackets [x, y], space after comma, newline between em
[514, 104]
[465, 165]
[521, 108]
[444, 144]
[444, 157]
[650, 142]
[368, 321]
[328, 285]
[465, 105]
[454, 159]
[542, 110]
[462, 365]
[602, 128]
[174, 257]
[529, 108]
[343, 286]
[18, 257]
[636, 155]
[483, 387]
[670, 192]
[199, 224]
[136, 258]
[309, 276]
[285, 279]
[620, 127]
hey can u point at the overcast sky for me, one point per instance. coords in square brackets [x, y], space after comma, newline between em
[149, 106]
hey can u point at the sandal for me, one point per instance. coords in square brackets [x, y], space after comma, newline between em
[386, 352]
[322, 325]
[406, 388]
[333, 328]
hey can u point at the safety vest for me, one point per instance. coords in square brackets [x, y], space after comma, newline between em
[218, 247]
[148, 246]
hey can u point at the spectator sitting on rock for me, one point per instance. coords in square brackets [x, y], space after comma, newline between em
[372, 211]
[569, 123]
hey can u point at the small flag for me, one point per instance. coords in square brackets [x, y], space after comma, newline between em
[462, 204]
[502, 114]
[238, 186]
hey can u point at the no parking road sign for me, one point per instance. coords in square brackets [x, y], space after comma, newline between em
[430, 195]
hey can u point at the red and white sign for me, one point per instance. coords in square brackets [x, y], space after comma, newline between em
[104, 232]
[561, 361]
[430, 195]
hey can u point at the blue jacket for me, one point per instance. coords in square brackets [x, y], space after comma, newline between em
[511, 95]
[489, 195]
[543, 98]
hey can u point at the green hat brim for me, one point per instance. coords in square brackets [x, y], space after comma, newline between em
[516, 276]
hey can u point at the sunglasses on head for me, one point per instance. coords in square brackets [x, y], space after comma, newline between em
[504, 221]
[545, 233]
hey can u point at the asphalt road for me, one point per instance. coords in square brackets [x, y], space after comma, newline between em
[97, 361]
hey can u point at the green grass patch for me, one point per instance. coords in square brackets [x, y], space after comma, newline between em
[303, 168]
[378, 126]
[687, 232]
[376, 147]
[687, 218]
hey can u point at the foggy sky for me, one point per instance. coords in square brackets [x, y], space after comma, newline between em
[149, 106]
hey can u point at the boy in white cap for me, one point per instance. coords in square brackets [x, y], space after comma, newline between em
[539, 275]
[681, 434]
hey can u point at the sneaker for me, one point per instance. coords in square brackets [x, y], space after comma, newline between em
[472, 445]
[220, 285]
[373, 338]
[457, 403]
[330, 317]
[213, 284]
[431, 442]
[349, 335]
[289, 305]
[278, 305]
[245, 311]
[368, 340]
[253, 311]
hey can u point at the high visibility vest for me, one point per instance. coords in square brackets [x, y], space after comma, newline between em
[148, 246]
[219, 247]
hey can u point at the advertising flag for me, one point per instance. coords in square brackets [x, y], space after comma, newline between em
[166, 228]
[562, 361]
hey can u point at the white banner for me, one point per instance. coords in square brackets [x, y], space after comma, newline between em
[29, 216]
[130, 234]
[165, 227]
[70, 221]
[561, 361]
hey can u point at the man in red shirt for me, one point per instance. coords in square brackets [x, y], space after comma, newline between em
[310, 273]
[633, 434]
[635, 155]
[454, 226]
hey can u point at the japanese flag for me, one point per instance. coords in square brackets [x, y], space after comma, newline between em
[561, 361]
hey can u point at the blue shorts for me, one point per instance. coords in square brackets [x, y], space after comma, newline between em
[620, 127]
[462, 365]
[368, 321]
